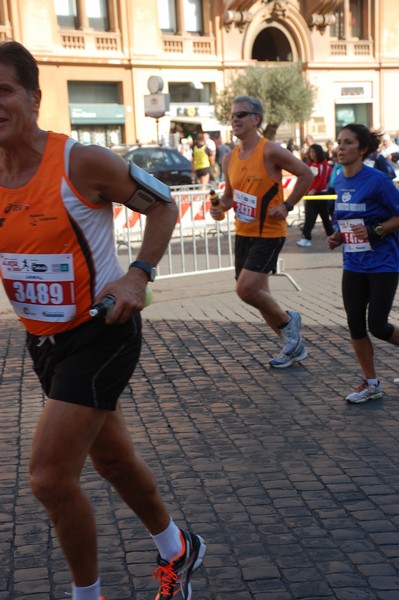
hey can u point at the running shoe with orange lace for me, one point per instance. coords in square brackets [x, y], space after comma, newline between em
[174, 576]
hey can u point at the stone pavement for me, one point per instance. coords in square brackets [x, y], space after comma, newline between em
[294, 490]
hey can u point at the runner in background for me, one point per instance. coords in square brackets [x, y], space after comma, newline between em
[253, 173]
[367, 221]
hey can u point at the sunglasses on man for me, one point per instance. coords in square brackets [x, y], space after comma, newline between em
[240, 114]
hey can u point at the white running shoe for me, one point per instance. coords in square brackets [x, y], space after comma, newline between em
[365, 392]
[286, 360]
[291, 333]
[304, 243]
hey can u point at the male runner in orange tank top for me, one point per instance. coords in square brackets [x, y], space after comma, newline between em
[57, 257]
[253, 173]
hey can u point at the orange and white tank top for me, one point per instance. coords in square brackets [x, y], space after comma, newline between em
[57, 250]
[254, 194]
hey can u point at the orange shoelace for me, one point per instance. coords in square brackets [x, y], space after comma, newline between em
[167, 578]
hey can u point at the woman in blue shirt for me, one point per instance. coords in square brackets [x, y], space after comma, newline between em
[366, 218]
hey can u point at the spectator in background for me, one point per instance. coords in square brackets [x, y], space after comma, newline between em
[330, 153]
[185, 149]
[201, 163]
[293, 148]
[305, 148]
[221, 150]
[211, 145]
[322, 171]
[377, 160]
[388, 147]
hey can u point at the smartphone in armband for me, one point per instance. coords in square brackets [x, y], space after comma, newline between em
[149, 190]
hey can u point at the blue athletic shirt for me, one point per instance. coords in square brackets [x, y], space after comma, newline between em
[369, 195]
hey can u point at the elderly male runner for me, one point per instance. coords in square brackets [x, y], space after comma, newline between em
[57, 219]
[253, 172]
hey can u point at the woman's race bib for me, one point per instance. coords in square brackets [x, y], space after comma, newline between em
[351, 242]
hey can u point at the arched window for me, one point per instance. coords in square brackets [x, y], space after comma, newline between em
[271, 44]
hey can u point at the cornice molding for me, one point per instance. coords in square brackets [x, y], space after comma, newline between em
[323, 7]
[318, 14]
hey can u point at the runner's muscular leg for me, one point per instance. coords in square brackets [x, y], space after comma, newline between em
[253, 288]
[63, 437]
[115, 459]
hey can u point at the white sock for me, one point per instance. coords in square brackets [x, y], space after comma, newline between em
[88, 592]
[169, 542]
[373, 381]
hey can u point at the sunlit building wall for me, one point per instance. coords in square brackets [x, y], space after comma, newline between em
[105, 64]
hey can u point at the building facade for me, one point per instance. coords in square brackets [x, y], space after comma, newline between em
[106, 65]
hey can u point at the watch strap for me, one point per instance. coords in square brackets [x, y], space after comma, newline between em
[146, 267]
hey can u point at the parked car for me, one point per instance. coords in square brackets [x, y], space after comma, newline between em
[166, 164]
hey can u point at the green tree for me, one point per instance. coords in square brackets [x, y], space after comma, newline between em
[286, 96]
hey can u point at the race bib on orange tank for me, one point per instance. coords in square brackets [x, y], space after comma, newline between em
[40, 286]
[245, 206]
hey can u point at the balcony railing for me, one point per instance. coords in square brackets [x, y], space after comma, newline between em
[177, 44]
[351, 48]
[97, 41]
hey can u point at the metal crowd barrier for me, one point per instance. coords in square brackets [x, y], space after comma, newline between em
[198, 244]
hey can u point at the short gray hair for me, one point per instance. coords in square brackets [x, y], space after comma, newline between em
[255, 104]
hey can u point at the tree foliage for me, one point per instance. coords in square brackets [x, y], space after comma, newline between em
[286, 96]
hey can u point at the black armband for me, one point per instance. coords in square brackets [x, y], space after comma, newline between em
[149, 190]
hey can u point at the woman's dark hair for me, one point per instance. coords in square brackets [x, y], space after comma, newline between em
[318, 150]
[368, 140]
[15, 54]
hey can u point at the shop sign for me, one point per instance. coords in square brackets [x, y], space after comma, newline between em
[94, 114]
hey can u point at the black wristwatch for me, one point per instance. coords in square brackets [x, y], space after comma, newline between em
[288, 206]
[149, 269]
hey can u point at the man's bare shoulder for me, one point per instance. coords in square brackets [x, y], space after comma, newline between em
[87, 155]
[98, 173]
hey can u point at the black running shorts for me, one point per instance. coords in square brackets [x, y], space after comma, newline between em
[202, 172]
[89, 365]
[257, 254]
